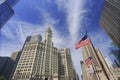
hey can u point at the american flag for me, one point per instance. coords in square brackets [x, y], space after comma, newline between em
[85, 40]
[89, 60]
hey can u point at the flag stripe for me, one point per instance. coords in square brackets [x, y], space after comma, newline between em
[85, 40]
[89, 60]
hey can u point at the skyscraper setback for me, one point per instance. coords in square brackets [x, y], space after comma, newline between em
[41, 60]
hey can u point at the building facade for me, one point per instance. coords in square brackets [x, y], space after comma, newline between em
[95, 70]
[6, 66]
[40, 60]
[6, 11]
[115, 73]
[66, 68]
[110, 20]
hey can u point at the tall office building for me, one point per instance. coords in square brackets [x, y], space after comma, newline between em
[110, 20]
[15, 56]
[97, 68]
[94, 71]
[66, 67]
[6, 11]
[40, 60]
[115, 73]
[6, 66]
[112, 72]
[105, 64]
[84, 75]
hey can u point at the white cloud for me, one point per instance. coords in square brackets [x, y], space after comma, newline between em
[75, 18]
[17, 30]
[47, 19]
[8, 47]
[5, 31]
[23, 29]
[75, 13]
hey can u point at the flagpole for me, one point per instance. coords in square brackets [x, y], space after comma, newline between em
[99, 59]
[94, 68]
[100, 62]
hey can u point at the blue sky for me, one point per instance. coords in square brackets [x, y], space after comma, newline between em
[69, 19]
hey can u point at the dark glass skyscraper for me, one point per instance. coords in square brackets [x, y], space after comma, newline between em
[12, 2]
[6, 66]
[6, 11]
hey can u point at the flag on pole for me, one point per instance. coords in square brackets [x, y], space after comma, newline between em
[85, 40]
[89, 60]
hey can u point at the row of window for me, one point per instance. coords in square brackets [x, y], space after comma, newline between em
[21, 76]
[22, 70]
[23, 64]
[30, 58]
[20, 67]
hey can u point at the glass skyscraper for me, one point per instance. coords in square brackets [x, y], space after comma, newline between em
[110, 20]
[6, 11]
[12, 2]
